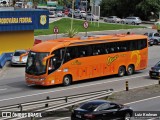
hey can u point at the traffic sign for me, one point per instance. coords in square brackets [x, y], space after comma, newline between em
[85, 24]
[55, 30]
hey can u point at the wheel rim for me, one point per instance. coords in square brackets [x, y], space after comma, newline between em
[66, 81]
[127, 116]
[130, 70]
[121, 71]
[156, 42]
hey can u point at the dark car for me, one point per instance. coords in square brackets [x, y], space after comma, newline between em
[155, 71]
[101, 110]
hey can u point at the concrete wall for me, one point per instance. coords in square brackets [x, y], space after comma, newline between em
[10, 41]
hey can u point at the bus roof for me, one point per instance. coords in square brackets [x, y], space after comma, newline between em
[50, 45]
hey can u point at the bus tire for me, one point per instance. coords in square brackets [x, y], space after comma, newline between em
[67, 80]
[130, 70]
[121, 71]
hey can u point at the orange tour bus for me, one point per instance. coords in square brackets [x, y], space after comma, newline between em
[66, 60]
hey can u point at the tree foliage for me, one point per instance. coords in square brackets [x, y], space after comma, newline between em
[124, 8]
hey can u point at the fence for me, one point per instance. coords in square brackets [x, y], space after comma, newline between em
[4, 58]
[53, 104]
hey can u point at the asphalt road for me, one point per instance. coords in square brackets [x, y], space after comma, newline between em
[13, 89]
[149, 105]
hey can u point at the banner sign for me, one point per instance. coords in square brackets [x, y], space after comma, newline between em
[16, 20]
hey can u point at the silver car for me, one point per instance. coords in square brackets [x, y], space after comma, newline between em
[132, 20]
[154, 36]
[113, 19]
[92, 17]
[16, 58]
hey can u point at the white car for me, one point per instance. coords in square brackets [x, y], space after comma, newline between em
[16, 57]
[52, 14]
[91, 16]
[60, 14]
[132, 20]
[113, 19]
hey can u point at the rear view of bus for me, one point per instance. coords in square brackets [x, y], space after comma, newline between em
[67, 60]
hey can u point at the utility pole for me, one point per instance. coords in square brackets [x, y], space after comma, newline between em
[86, 5]
[72, 14]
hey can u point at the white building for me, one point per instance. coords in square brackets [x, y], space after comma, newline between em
[95, 2]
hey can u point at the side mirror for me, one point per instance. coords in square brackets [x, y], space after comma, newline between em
[119, 107]
[46, 58]
[25, 54]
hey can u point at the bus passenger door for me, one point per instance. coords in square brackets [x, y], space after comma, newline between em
[84, 70]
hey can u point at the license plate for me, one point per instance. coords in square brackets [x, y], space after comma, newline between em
[154, 73]
[78, 116]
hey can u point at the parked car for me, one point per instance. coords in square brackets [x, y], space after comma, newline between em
[83, 13]
[52, 14]
[91, 16]
[132, 20]
[101, 110]
[77, 14]
[15, 60]
[113, 19]
[155, 36]
[70, 13]
[66, 12]
[60, 14]
[150, 40]
[155, 71]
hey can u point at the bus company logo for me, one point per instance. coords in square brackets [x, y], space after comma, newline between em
[111, 59]
[123, 55]
[135, 56]
[76, 62]
[43, 19]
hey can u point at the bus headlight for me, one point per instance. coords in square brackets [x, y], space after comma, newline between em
[65, 70]
[52, 82]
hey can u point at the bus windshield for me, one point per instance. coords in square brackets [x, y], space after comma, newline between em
[34, 65]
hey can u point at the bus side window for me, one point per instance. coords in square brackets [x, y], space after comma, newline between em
[98, 49]
[71, 53]
[106, 51]
[84, 51]
[142, 44]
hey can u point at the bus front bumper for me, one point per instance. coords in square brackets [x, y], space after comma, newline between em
[38, 82]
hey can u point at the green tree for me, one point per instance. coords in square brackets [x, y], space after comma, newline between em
[61, 2]
[141, 8]
[145, 7]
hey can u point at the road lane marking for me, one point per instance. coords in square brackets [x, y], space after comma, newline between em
[62, 118]
[76, 87]
[3, 89]
[142, 100]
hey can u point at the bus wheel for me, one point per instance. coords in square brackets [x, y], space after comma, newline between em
[67, 80]
[130, 70]
[121, 71]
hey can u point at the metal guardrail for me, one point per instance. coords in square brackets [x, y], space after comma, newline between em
[53, 104]
[4, 58]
